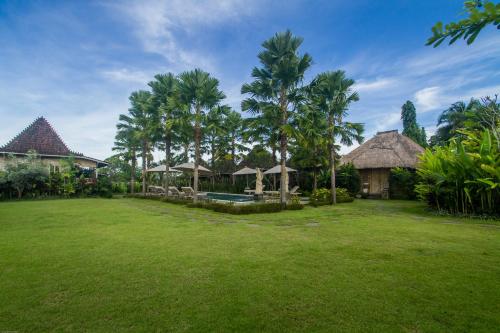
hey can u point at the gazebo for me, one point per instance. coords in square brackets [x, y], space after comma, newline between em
[245, 172]
[277, 170]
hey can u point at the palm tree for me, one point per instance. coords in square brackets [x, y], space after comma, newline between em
[128, 145]
[232, 134]
[143, 117]
[451, 120]
[332, 92]
[199, 92]
[310, 139]
[276, 86]
[164, 89]
[213, 131]
[264, 129]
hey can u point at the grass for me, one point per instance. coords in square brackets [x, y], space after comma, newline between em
[140, 266]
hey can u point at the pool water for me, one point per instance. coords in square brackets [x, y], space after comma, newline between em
[230, 197]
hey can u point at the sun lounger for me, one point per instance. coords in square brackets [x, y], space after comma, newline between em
[175, 192]
[188, 191]
[293, 191]
[156, 189]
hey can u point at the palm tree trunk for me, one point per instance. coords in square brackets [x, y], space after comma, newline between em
[331, 147]
[315, 178]
[144, 161]
[132, 176]
[197, 138]
[283, 147]
[168, 143]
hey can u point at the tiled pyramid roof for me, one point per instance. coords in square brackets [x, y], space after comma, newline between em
[41, 137]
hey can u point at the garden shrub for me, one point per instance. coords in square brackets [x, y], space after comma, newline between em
[322, 196]
[463, 177]
[402, 184]
[347, 177]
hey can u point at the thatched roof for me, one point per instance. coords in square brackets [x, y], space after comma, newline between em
[385, 150]
[41, 137]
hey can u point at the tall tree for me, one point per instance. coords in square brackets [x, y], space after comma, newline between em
[200, 92]
[481, 13]
[164, 89]
[144, 120]
[310, 144]
[232, 135]
[127, 143]
[276, 85]
[451, 120]
[333, 94]
[213, 126]
[411, 128]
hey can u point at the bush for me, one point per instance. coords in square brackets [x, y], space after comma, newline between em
[347, 177]
[463, 177]
[402, 184]
[322, 196]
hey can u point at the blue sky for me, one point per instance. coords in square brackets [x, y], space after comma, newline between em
[76, 62]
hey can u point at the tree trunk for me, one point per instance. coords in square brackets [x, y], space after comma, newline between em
[168, 143]
[315, 178]
[132, 176]
[274, 153]
[331, 148]
[144, 161]
[283, 148]
[197, 138]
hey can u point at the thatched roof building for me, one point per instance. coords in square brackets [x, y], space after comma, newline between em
[40, 137]
[377, 156]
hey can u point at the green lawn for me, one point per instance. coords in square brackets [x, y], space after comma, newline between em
[138, 265]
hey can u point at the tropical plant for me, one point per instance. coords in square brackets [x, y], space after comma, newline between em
[451, 120]
[402, 184]
[199, 92]
[309, 147]
[143, 119]
[231, 138]
[348, 177]
[481, 13]
[213, 132]
[165, 101]
[463, 177]
[26, 174]
[323, 196]
[128, 144]
[276, 86]
[333, 94]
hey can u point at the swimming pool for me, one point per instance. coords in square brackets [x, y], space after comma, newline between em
[230, 197]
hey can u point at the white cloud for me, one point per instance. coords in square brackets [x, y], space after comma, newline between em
[428, 99]
[125, 75]
[364, 85]
[162, 25]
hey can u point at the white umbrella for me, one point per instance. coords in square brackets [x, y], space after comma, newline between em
[245, 172]
[161, 168]
[189, 167]
[277, 169]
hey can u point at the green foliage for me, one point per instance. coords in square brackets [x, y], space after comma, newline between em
[480, 14]
[348, 177]
[463, 177]
[322, 196]
[402, 184]
[26, 175]
[411, 128]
